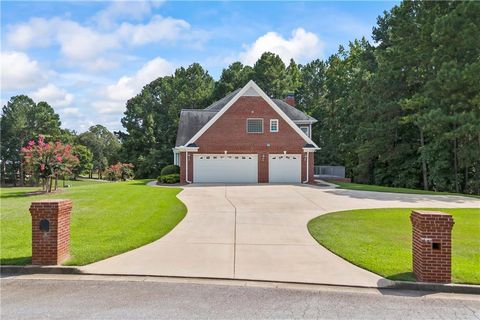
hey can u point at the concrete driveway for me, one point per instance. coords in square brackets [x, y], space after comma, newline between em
[259, 232]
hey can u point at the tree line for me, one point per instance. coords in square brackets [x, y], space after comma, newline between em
[402, 110]
[23, 122]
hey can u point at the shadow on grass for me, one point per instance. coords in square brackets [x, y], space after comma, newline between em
[404, 276]
[17, 261]
[22, 194]
[140, 182]
[18, 194]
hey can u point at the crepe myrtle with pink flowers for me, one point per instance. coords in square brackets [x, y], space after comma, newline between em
[47, 161]
[120, 171]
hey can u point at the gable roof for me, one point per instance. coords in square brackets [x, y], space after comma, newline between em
[292, 112]
[194, 122]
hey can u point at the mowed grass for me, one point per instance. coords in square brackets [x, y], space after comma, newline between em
[369, 187]
[379, 240]
[107, 219]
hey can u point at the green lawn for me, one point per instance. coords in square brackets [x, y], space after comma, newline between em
[379, 240]
[369, 187]
[107, 219]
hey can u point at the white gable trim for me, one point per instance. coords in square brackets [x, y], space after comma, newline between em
[247, 90]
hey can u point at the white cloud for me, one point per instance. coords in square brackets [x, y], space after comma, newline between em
[77, 43]
[114, 96]
[301, 45]
[135, 10]
[52, 94]
[70, 111]
[19, 72]
[87, 46]
[37, 32]
[83, 44]
[158, 29]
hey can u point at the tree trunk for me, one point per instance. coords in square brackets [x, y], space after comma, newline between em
[56, 182]
[455, 165]
[4, 172]
[50, 182]
[21, 174]
[465, 184]
[424, 162]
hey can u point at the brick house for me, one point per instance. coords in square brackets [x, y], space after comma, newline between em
[245, 137]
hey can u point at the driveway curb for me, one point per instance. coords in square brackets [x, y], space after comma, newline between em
[14, 270]
[396, 285]
[437, 287]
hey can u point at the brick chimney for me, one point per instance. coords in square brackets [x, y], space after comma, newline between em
[290, 99]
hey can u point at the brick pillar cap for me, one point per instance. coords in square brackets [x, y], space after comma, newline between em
[430, 213]
[52, 201]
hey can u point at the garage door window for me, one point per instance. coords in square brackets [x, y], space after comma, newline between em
[255, 125]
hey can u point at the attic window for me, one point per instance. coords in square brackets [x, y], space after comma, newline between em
[306, 130]
[254, 125]
[274, 125]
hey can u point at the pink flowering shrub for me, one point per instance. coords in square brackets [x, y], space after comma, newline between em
[48, 161]
[119, 171]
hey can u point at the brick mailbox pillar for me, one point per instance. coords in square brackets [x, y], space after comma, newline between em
[50, 231]
[432, 246]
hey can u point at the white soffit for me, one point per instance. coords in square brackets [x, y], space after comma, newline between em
[251, 93]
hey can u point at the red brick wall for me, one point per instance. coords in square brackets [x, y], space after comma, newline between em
[432, 246]
[229, 134]
[52, 247]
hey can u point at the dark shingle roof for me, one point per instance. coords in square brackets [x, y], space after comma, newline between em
[192, 120]
[292, 112]
[218, 105]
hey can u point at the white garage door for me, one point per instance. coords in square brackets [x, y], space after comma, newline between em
[284, 168]
[225, 168]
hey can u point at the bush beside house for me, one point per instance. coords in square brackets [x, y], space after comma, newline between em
[169, 174]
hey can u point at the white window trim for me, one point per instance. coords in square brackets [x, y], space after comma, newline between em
[246, 124]
[308, 130]
[274, 121]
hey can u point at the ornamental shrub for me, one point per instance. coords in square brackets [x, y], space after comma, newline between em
[170, 169]
[170, 178]
[119, 171]
[48, 161]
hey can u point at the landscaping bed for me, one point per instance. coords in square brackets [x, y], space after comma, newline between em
[107, 219]
[380, 240]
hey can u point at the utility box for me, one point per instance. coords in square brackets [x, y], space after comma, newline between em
[432, 246]
[50, 231]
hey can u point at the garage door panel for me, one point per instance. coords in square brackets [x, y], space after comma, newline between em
[285, 168]
[221, 168]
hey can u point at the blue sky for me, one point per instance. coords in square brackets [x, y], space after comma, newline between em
[87, 58]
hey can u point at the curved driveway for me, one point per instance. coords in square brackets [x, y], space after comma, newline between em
[259, 232]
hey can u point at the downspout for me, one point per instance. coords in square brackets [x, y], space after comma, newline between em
[308, 158]
[186, 167]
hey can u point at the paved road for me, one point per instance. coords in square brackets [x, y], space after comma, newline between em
[259, 232]
[144, 298]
